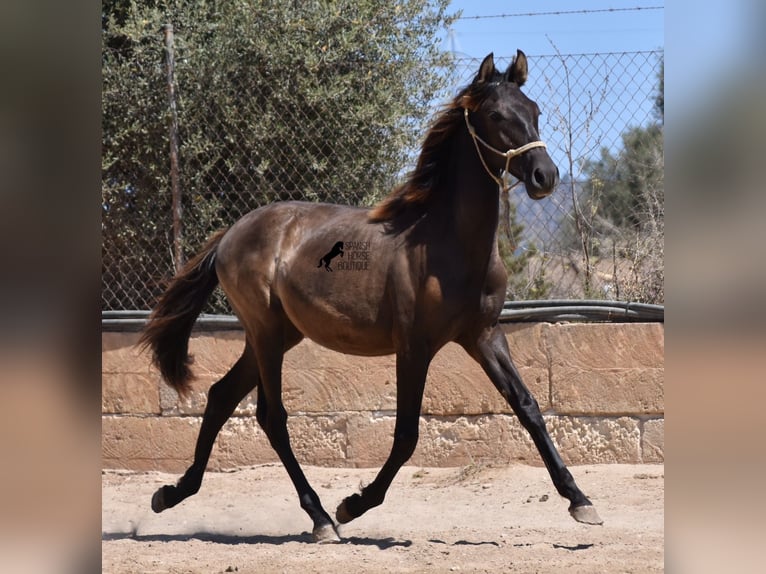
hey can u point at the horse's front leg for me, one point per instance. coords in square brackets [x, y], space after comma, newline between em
[491, 352]
[411, 370]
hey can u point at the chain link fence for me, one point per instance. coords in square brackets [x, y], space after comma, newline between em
[241, 144]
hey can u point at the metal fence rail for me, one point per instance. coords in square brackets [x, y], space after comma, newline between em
[564, 247]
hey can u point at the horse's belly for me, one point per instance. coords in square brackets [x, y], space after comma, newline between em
[368, 343]
[338, 313]
[335, 329]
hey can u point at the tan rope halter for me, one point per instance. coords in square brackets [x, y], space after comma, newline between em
[508, 155]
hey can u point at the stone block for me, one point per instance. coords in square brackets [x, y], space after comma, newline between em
[607, 369]
[241, 442]
[317, 380]
[130, 393]
[148, 443]
[319, 440]
[193, 404]
[653, 441]
[215, 353]
[119, 354]
[457, 385]
[369, 437]
[606, 346]
[527, 344]
[611, 391]
[587, 440]
[466, 440]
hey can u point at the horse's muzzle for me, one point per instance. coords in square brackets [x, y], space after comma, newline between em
[542, 180]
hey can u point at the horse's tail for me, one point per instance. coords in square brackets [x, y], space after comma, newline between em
[169, 326]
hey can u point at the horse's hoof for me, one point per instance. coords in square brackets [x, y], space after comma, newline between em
[342, 515]
[158, 500]
[325, 534]
[586, 514]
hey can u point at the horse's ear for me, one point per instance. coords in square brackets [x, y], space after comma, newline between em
[517, 71]
[486, 70]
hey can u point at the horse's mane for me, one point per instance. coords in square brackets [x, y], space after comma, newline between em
[414, 194]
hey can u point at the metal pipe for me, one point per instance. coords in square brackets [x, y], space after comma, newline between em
[552, 311]
[175, 188]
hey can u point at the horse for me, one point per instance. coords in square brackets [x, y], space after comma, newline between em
[432, 276]
[336, 250]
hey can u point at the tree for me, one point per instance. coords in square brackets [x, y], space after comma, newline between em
[278, 100]
[621, 182]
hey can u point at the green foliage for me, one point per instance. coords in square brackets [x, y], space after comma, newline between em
[277, 100]
[629, 186]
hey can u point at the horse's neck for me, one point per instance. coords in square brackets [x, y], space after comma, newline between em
[474, 203]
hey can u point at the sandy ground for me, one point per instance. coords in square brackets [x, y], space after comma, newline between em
[471, 519]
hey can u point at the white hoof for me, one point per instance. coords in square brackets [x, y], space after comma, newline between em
[325, 535]
[586, 514]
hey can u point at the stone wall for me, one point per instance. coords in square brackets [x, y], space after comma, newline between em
[600, 387]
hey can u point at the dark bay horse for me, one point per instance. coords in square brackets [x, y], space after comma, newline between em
[431, 274]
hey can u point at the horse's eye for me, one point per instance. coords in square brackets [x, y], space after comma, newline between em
[496, 116]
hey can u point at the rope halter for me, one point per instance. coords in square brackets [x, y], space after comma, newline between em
[508, 155]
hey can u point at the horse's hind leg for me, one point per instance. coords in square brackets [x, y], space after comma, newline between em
[223, 398]
[491, 351]
[272, 417]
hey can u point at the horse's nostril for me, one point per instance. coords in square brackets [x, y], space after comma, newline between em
[539, 177]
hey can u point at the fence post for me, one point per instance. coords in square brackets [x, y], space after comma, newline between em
[175, 188]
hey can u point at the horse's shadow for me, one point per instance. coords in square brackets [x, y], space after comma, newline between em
[234, 539]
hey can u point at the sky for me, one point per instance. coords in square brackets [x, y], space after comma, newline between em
[711, 44]
[626, 31]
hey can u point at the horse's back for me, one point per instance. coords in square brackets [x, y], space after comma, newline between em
[273, 231]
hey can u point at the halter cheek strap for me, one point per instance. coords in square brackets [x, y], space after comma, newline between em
[508, 155]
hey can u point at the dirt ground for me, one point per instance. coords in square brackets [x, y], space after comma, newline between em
[471, 519]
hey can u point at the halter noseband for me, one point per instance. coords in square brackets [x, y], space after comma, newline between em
[508, 155]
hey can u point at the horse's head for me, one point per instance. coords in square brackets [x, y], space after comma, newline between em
[504, 125]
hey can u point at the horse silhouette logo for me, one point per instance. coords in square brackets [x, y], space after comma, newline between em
[336, 250]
